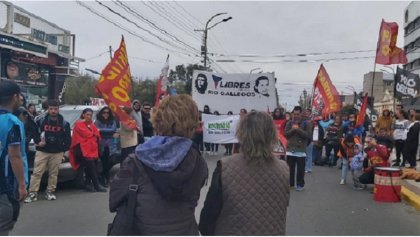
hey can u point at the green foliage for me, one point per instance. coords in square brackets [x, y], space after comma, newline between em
[79, 90]
[145, 90]
[184, 74]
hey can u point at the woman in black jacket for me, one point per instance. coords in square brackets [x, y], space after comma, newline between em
[170, 173]
[412, 141]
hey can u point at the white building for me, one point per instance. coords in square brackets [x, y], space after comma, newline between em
[412, 36]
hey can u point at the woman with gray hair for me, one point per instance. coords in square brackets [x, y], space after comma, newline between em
[251, 186]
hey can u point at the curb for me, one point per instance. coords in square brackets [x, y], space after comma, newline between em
[410, 197]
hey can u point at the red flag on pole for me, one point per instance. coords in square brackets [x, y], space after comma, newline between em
[330, 96]
[387, 52]
[115, 83]
[162, 83]
[362, 112]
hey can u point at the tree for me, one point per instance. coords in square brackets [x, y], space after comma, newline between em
[184, 74]
[145, 90]
[80, 89]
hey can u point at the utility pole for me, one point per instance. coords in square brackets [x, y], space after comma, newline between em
[204, 46]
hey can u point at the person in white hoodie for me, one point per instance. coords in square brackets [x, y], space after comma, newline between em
[400, 134]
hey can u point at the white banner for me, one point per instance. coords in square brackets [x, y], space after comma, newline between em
[232, 92]
[220, 129]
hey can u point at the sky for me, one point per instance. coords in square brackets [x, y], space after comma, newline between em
[263, 29]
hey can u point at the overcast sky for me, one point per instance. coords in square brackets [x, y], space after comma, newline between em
[258, 28]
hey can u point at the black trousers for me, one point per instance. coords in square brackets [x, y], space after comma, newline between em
[300, 175]
[89, 165]
[214, 147]
[229, 147]
[106, 164]
[328, 149]
[409, 154]
[367, 178]
[399, 146]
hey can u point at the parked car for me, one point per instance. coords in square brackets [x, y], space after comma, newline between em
[71, 114]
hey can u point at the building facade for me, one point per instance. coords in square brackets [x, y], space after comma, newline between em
[382, 83]
[35, 53]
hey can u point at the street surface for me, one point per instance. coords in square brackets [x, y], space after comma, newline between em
[323, 208]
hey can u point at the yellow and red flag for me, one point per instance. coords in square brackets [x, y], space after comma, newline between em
[330, 96]
[387, 52]
[362, 112]
[115, 83]
[162, 83]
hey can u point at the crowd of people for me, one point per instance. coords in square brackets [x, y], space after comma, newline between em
[162, 170]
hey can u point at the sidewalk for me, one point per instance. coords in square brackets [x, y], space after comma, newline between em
[410, 191]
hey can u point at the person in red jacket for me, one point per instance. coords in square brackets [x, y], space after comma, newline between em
[84, 149]
[378, 156]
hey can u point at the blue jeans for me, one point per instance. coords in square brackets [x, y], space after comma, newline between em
[308, 159]
[345, 168]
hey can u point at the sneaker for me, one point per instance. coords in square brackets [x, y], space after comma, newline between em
[50, 196]
[299, 188]
[32, 197]
[342, 182]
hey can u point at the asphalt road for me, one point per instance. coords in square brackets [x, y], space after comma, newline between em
[323, 208]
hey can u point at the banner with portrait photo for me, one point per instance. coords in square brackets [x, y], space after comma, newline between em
[26, 73]
[232, 92]
[220, 129]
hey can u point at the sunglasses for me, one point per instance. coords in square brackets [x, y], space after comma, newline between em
[146, 108]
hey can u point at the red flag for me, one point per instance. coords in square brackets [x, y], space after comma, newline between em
[387, 52]
[330, 96]
[115, 83]
[362, 112]
[162, 83]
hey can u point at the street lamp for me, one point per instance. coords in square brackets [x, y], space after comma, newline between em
[93, 71]
[204, 47]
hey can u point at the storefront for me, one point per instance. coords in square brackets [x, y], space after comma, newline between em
[35, 53]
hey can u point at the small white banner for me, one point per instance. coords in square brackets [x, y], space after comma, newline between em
[220, 129]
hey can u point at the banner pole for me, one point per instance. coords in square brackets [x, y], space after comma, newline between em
[373, 79]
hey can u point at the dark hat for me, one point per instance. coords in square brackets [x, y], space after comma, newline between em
[9, 88]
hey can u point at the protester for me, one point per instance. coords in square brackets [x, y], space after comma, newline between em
[318, 142]
[84, 149]
[31, 129]
[310, 145]
[170, 173]
[384, 121]
[55, 139]
[400, 135]
[279, 120]
[334, 133]
[249, 191]
[147, 125]
[32, 111]
[384, 139]
[198, 134]
[128, 136]
[377, 156]
[298, 133]
[137, 116]
[288, 116]
[356, 167]
[412, 142]
[13, 162]
[346, 153]
[109, 142]
[206, 110]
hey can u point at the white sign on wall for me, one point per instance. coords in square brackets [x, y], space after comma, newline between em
[220, 129]
[232, 92]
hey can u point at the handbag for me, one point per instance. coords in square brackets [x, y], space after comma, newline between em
[123, 223]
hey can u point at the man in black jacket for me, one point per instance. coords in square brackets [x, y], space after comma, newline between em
[147, 125]
[55, 139]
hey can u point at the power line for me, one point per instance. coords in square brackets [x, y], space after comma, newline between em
[192, 16]
[128, 31]
[97, 56]
[289, 55]
[150, 23]
[169, 20]
[138, 26]
[181, 16]
[292, 61]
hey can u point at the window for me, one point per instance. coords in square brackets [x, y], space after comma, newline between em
[406, 16]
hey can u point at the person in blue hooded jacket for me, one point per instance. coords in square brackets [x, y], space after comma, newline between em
[170, 173]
